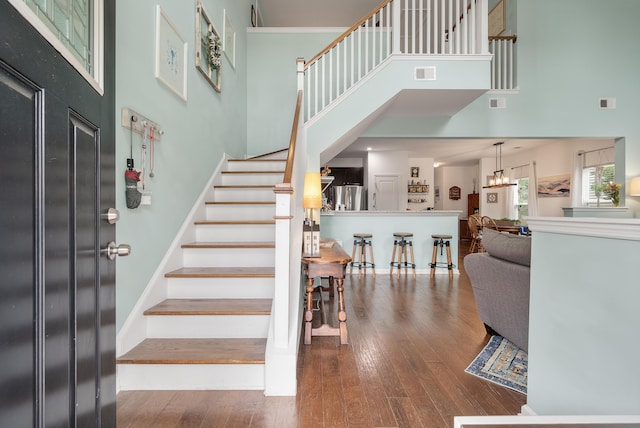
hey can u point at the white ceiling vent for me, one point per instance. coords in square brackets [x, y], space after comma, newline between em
[607, 103]
[497, 103]
[425, 73]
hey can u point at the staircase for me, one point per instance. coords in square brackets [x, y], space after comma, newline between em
[211, 330]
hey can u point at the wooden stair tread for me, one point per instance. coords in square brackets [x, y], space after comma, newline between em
[211, 307]
[241, 202]
[239, 245]
[241, 222]
[196, 351]
[222, 272]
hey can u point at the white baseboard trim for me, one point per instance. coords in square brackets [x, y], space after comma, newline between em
[595, 420]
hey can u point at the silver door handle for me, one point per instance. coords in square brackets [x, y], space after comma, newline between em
[114, 250]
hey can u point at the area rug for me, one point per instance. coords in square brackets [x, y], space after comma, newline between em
[503, 363]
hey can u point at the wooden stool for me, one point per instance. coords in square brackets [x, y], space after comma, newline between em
[360, 242]
[400, 240]
[441, 241]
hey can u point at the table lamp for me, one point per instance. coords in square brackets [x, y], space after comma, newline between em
[634, 186]
[311, 200]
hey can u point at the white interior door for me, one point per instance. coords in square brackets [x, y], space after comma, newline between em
[386, 196]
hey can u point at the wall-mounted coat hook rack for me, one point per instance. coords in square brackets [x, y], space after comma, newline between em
[137, 122]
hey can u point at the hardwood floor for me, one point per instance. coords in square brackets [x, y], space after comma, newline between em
[410, 341]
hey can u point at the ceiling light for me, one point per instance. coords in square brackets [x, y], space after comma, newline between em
[499, 178]
[369, 149]
[436, 164]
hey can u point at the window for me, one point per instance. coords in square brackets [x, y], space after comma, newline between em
[593, 179]
[74, 28]
[522, 198]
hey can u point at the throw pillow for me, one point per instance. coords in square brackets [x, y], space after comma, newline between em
[505, 246]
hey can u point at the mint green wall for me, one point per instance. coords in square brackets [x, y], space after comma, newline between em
[197, 132]
[583, 328]
[272, 84]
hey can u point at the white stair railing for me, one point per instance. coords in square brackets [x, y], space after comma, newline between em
[502, 65]
[403, 27]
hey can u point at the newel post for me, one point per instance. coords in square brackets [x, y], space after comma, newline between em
[281, 303]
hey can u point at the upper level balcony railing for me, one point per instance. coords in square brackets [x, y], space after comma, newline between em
[394, 27]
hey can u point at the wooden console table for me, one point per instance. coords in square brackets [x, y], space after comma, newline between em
[333, 263]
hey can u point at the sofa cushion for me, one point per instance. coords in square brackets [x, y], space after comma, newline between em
[506, 246]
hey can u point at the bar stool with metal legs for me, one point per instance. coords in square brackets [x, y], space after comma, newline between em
[441, 241]
[360, 243]
[401, 241]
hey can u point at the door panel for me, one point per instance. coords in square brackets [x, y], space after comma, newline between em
[85, 177]
[58, 341]
[19, 334]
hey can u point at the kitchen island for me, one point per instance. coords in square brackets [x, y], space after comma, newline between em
[341, 225]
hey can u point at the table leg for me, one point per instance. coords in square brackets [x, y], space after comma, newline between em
[308, 313]
[342, 313]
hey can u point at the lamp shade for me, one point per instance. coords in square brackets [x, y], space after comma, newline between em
[312, 197]
[634, 186]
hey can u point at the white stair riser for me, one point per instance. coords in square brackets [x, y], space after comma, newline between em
[244, 195]
[235, 233]
[190, 376]
[207, 326]
[220, 288]
[241, 212]
[251, 179]
[223, 257]
[257, 166]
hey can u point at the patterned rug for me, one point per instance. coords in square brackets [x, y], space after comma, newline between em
[503, 363]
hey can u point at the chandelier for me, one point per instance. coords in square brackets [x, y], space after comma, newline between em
[499, 178]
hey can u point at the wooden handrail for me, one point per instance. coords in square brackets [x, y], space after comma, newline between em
[346, 33]
[513, 38]
[288, 170]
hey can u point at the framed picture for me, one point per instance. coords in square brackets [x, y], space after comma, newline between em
[208, 48]
[415, 172]
[229, 37]
[554, 186]
[171, 55]
[492, 198]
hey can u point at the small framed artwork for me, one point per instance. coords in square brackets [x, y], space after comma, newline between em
[171, 55]
[208, 49]
[454, 193]
[415, 172]
[492, 198]
[229, 40]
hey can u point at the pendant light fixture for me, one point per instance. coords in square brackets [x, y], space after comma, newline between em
[499, 178]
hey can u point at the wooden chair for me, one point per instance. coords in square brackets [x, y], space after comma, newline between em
[489, 222]
[475, 227]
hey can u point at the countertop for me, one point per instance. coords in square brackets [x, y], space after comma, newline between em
[424, 213]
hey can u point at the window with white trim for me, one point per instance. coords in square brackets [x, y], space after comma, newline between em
[598, 169]
[522, 199]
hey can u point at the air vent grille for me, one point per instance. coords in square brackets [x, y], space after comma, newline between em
[425, 73]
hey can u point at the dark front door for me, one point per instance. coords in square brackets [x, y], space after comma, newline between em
[57, 291]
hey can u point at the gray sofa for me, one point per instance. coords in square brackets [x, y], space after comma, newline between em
[500, 280]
